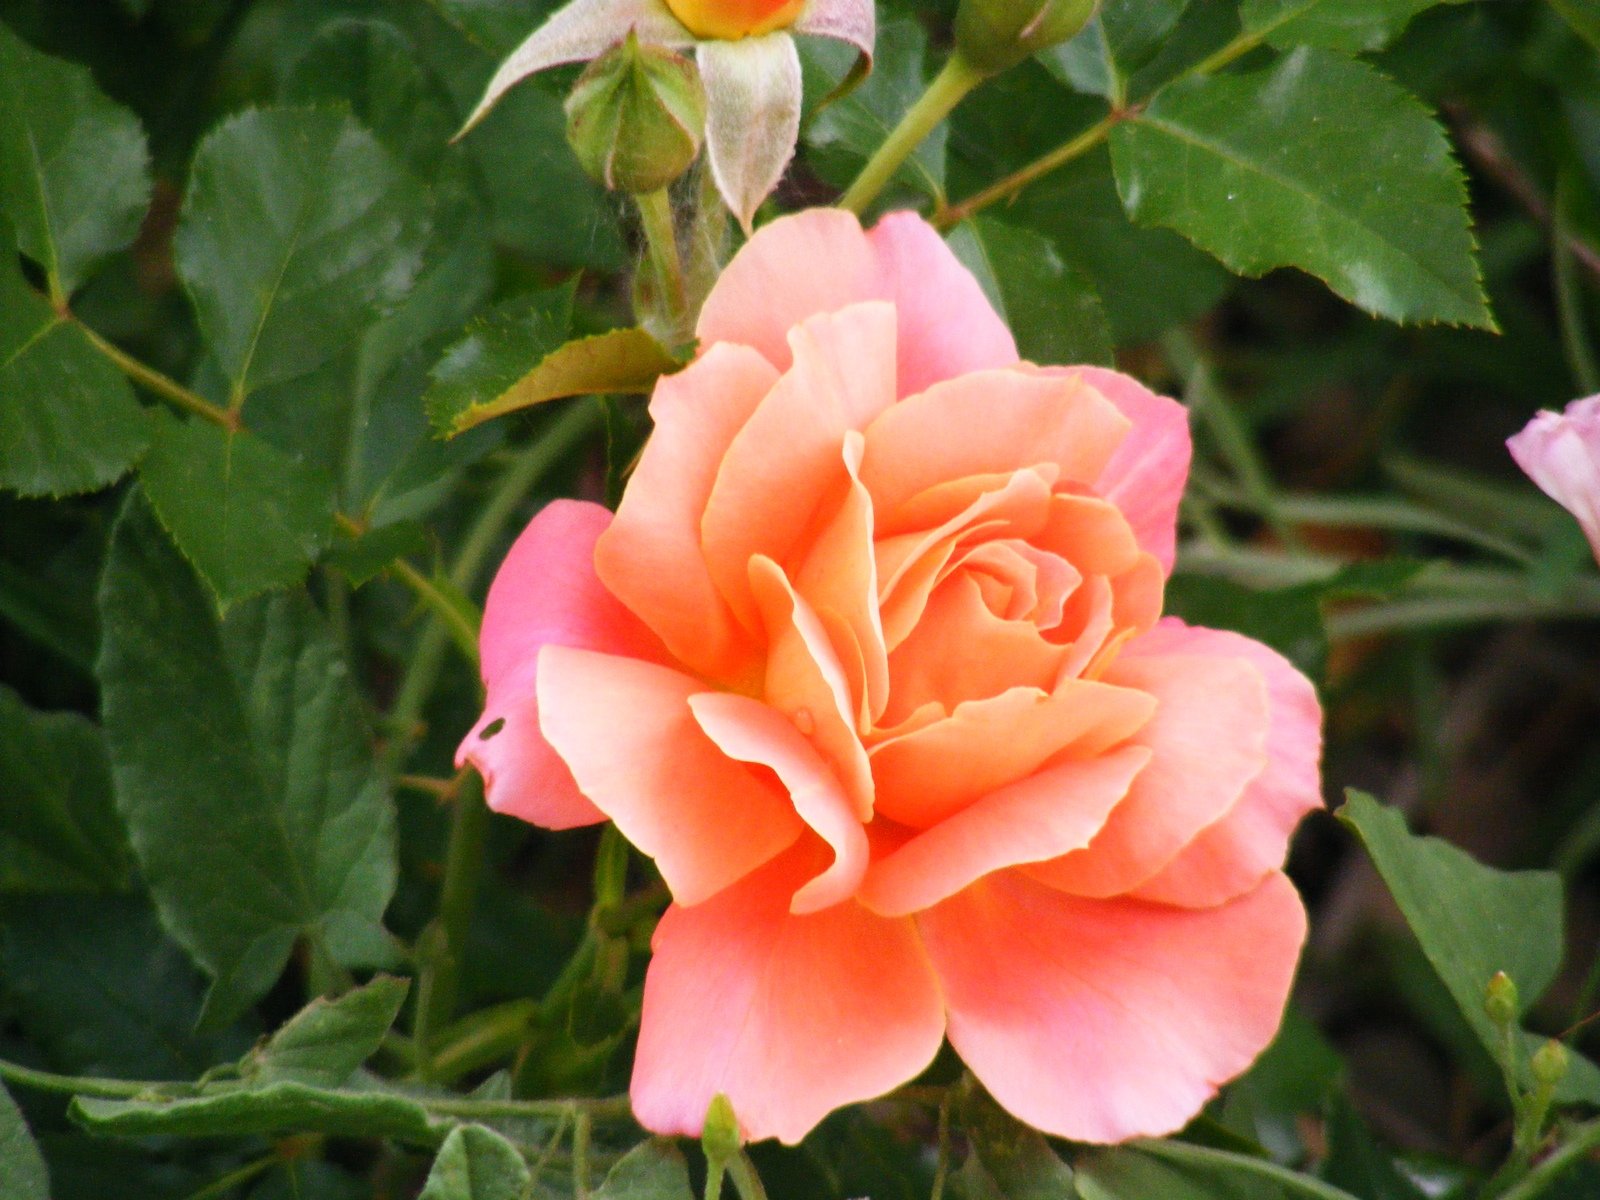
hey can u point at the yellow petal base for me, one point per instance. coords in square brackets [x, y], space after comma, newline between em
[729, 20]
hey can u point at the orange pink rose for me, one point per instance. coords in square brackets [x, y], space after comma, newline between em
[871, 662]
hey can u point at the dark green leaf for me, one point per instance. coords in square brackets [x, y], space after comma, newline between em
[1181, 1171]
[1349, 25]
[23, 1175]
[361, 558]
[476, 1164]
[276, 1108]
[74, 171]
[652, 1171]
[846, 133]
[58, 823]
[1583, 16]
[68, 420]
[324, 1043]
[1318, 162]
[1051, 306]
[1357, 1163]
[1120, 39]
[1471, 920]
[248, 516]
[298, 228]
[251, 731]
[518, 357]
[1016, 1160]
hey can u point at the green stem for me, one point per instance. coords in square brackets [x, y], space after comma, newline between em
[661, 235]
[458, 897]
[1583, 1140]
[164, 386]
[745, 1179]
[949, 87]
[226, 1184]
[582, 1124]
[1010, 185]
[1569, 298]
[482, 1038]
[78, 1085]
[454, 622]
[942, 1171]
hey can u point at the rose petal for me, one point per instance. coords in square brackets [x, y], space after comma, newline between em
[546, 593]
[1230, 856]
[1561, 453]
[752, 732]
[650, 557]
[1209, 737]
[853, 21]
[1102, 1020]
[1049, 813]
[788, 1016]
[753, 97]
[625, 729]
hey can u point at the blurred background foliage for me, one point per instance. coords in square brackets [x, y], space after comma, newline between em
[1352, 504]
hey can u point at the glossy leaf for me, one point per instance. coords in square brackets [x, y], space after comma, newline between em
[249, 517]
[1471, 920]
[518, 356]
[1318, 162]
[654, 1170]
[1121, 38]
[58, 824]
[326, 1041]
[476, 1164]
[1349, 25]
[74, 171]
[24, 1176]
[68, 419]
[1052, 306]
[1182, 1171]
[298, 228]
[250, 730]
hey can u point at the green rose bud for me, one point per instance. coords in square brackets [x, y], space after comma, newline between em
[636, 117]
[1500, 1000]
[994, 35]
[1550, 1063]
[720, 1137]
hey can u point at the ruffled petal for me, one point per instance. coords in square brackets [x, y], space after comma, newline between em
[753, 95]
[651, 557]
[853, 21]
[788, 1016]
[751, 732]
[1102, 1020]
[582, 30]
[1230, 856]
[546, 593]
[625, 729]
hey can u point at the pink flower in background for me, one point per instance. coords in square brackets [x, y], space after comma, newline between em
[871, 662]
[1561, 453]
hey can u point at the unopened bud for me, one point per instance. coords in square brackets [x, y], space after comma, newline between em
[636, 117]
[720, 1137]
[1500, 1000]
[994, 35]
[1550, 1063]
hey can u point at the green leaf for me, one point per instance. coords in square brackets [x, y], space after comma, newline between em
[249, 517]
[1471, 920]
[1356, 1161]
[275, 1108]
[518, 356]
[1052, 307]
[250, 730]
[74, 171]
[1122, 37]
[362, 558]
[68, 419]
[326, 1041]
[1181, 1171]
[24, 1177]
[846, 133]
[1318, 162]
[1353, 26]
[1016, 1161]
[58, 824]
[297, 230]
[653, 1170]
[1583, 16]
[476, 1164]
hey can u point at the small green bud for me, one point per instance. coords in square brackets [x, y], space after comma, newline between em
[1500, 1000]
[1550, 1063]
[636, 117]
[720, 1137]
[995, 35]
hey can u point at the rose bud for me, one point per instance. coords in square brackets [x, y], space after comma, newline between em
[636, 117]
[995, 35]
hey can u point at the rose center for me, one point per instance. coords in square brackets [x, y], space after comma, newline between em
[729, 20]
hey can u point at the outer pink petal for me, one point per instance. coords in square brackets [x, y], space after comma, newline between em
[1561, 453]
[650, 557]
[751, 732]
[788, 1016]
[1044, 816]
[1146, 475]
[1105, 1020]
[546, 593]
[1228, 858]
[626, 730]
[1209, 736]
[812, 262]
